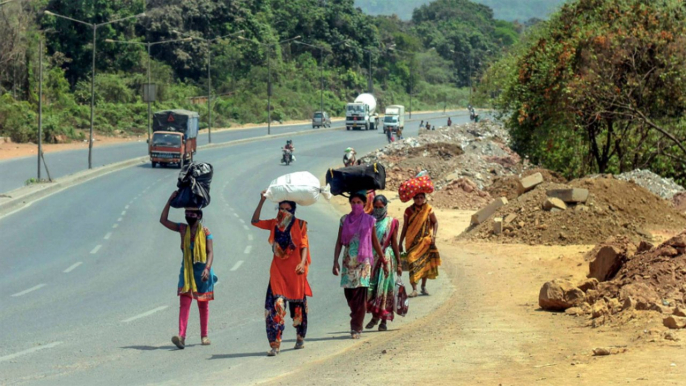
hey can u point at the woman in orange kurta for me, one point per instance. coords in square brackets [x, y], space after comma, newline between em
[288, 274]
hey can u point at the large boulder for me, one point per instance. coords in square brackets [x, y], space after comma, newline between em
[560, 294]
[609, 257]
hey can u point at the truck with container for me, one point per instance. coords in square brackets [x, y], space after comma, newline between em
[361, 114]
[394, 118]
[174, 137]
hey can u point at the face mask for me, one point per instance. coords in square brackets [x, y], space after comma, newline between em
[379, 213]
[191, 220]
[284, 217]
[357, 208]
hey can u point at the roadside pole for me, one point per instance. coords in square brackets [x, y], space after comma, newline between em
[40, 104]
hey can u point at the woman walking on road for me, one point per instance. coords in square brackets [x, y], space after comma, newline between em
[196, 278]
[382, 285]
[419, 234]
[288, 284]
[356, 234]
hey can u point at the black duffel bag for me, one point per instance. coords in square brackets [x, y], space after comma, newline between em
[194, 186]
[355, 178]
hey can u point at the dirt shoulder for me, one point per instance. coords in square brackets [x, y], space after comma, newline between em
[491, 331]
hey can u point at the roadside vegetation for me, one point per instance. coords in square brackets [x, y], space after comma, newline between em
[454, 40]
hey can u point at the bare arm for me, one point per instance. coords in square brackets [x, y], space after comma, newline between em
[258, 210]
[337, 253]
[396, 252]
[404, 232]
[379, 252]
[164, 217]
[434, 223]
[210, 259]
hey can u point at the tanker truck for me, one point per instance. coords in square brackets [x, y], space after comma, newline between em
[361, 114]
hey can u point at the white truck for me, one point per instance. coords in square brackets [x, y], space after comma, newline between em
[362, 113]
[394, 118]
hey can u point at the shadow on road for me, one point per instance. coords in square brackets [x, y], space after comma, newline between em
[151, 348]
[346, 337]
[239, 355]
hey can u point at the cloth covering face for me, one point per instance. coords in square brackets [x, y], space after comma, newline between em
[283, 280]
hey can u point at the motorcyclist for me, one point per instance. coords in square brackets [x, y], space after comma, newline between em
[450, 122]
[290, 147]
[349, 157]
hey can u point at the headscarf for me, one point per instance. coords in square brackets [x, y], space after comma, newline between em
[380, 213]
[284, 223]
[359, 224]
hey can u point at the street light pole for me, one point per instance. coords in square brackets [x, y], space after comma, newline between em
[40, 105]
[148, 98]
[321, 78]
[94, 26]
[209, 95]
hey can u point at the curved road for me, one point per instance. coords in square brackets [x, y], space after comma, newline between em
[88, 289]
[14, 172]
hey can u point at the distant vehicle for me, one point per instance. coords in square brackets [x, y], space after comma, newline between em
[362, 113]
[321, 118]
[394, 118]
[174, 134]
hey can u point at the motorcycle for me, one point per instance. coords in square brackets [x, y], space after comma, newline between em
[472, 115]
[349, 159]
[287, 157]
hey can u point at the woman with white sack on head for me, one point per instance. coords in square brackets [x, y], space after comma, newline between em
[288, 285]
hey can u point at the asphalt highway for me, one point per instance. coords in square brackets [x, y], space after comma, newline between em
[89, 276]
[14, 172]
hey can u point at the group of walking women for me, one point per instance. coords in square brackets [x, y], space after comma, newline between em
[368, 238]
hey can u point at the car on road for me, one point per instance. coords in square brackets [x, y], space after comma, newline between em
[321, 118]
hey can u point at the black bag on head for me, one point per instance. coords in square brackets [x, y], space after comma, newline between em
[356, 178]
[194, 186]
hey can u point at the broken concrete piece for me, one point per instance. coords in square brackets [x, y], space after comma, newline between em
[486, 212]
[497, 226]
[569, 195]
[554, 203]
[530, 182]
[509, 218]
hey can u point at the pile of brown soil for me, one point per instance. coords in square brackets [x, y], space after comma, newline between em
[462, 194]
[679, 201]
[438, 159]
[614, 208]
[508, 186]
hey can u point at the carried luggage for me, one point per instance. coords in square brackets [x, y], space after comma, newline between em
[356, 178]
[414, 186]
[194, 186]
[303, 188]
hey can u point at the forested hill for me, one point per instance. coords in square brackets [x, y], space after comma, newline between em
[521, 10]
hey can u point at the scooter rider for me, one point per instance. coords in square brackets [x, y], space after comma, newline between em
[349, 157]
[290, 147]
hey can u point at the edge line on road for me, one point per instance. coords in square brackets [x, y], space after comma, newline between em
[29, 351]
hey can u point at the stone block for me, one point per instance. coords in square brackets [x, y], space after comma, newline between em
[486, 212]
[509, 218]
[497, 226]
[575, 195]
[554, 203]
[530, 182]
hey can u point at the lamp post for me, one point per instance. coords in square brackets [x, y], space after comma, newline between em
[209, 78]
[411, 77]
[149, 45]
[95, 27]
[321, 68]
[269, 76]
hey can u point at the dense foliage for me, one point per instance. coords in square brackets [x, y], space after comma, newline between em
[599, 88]
[511, 10]
[435, 56]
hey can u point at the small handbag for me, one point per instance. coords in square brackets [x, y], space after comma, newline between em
[402, 303]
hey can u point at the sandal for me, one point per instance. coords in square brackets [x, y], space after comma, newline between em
[299, 344]
[205, 341]
[412, 294]
[425, 292]
[355, 335]
[273, 352]
[179, 342]
[372, 323]
[383, 327]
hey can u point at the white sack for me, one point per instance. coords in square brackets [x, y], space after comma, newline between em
[301, 187]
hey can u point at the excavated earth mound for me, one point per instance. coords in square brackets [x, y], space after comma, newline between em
[462, 194]
[508, 186]
[613, 208]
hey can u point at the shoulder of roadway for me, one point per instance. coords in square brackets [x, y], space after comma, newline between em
[23, 197]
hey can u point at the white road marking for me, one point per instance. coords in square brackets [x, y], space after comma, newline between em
[247, 249]
[242, 221]
[236, 214]
[115, 225]
[29, 351]
[237, 265]
[72, 267]
[119, 219]
[246, 227]
[126, 207]
[96, 249]
[108, 235]
[39, 286]
[143, 315]
[250, 237]
[123, 213]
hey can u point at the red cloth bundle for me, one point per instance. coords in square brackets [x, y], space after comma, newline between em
[414, 186]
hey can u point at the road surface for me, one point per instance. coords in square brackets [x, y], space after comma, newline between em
[89, 276]
[15, 172]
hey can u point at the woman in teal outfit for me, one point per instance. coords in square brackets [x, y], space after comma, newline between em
[196, 278]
